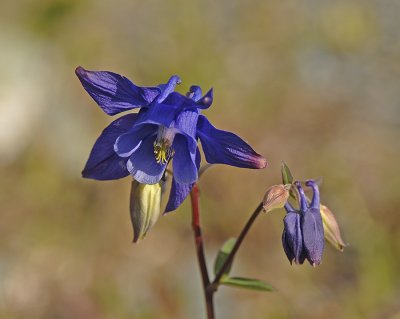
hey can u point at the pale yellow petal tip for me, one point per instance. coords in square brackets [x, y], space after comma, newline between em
[340, 246]
[331, 229]
[145, 208]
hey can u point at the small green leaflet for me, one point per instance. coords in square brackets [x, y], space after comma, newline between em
[223, 255]
[287, 177]
[246, 283]
[239, 282]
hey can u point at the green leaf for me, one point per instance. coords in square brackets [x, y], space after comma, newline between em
[287, 177]
[223, 255]
[246, 283]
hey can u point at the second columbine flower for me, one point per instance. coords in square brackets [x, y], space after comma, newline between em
[303, 234]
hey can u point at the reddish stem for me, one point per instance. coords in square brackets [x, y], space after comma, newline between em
[208, 293]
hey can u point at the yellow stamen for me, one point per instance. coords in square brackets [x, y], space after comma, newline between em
[163, 151]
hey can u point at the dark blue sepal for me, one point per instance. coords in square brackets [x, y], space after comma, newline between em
[115, 93]
[103, 162]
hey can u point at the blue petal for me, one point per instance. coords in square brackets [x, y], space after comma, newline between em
[302, 199]
[185, 146]
[142, 164]
[313, 235]
[289, 208]
[113, 92]
[177, 195]
[103, 162]
[179, 102]
[180, 191]
[161, 114]
[173, 109]
[315, 202]
[127, 143]
[221, 147]
[292, 238]
[206, 101]
[194, 93]
[186, 123]
[287, 248]
[183, 163]
[201, 102]
[168, 88]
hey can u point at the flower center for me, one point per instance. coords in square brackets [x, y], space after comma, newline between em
[163, 150]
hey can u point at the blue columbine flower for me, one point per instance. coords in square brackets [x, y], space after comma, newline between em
[167, 127]
[303, 233]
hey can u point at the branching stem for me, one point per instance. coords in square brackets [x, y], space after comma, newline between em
[229, 260]
[210, 288]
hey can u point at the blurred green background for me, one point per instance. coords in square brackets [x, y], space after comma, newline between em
[314, 83]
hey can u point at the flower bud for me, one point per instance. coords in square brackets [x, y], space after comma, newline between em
[331, 228]
[276, 197]
[145, 207]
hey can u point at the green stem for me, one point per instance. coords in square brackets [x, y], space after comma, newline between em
[228, 261]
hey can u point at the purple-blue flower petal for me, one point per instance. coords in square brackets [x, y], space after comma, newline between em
[292, 239]
[183, 163]
[202, 102]
[168, 88]
[103, 162]
[185, 146]
[303, 199]
[206, 101]
[127, 143]
[315, 201]
[313, 235]
[142, 163]
[115, 93]
[287, 248]
[161, 113]
[180, 191]
[222, 147]
[186, 123]
[289, 208]
[177, 195]
[194, 93]
[179, 102]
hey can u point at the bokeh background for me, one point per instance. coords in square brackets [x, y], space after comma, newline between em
[314, 83]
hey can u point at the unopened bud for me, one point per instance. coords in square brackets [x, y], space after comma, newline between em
[331, 228]
[276, 197]
[145, 207]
